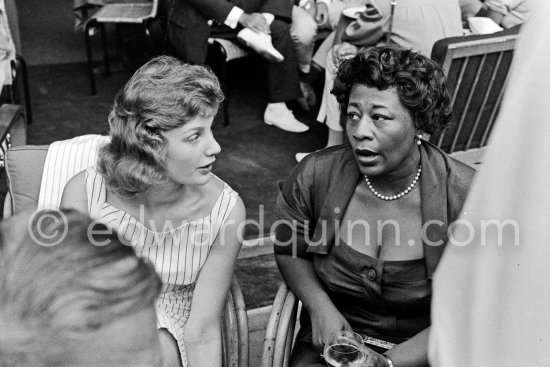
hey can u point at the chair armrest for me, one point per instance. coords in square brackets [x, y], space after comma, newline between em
[13, 122]
[8, 206]
[279, 332]
[235, 328]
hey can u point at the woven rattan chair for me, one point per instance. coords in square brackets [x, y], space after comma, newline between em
[141, 12]
[477, 70]
[235, 328]
[280, 330]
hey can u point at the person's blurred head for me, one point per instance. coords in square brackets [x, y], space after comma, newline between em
[86, 301]
[162, 97]
[387, 97]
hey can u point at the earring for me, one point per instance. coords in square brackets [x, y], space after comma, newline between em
[419, 141]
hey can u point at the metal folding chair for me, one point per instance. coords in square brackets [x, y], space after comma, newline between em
[141, 12]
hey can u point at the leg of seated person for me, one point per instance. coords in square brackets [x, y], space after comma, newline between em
[283, 82]
[330, 109]
[169, 349]
[320, 56]
[303, 31]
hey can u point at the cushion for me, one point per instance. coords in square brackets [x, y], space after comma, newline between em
[24, 167]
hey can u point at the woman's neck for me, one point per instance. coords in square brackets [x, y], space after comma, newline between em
[399, 179]
[162, 195]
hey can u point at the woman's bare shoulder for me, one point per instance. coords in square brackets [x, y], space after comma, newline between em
[74, 195]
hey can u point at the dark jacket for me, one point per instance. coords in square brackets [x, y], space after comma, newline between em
[190, 19]
[321, 186]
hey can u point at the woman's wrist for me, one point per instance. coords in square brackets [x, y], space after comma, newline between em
[319, 304]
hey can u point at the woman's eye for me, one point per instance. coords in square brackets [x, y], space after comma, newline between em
[352, 116]
[193, 138]
[379, 118]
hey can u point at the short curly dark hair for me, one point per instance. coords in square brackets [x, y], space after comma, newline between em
[419, 82]
[163, 94]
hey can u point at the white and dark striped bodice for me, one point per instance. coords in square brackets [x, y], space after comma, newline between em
[179, 250]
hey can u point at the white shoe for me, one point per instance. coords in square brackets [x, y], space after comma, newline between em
[282, 117]
[261, 43]
[300, 156]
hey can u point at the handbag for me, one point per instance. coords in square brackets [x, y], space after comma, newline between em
[368, 28]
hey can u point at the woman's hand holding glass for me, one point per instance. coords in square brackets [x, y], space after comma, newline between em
[344, 349]
[347, 349]
[324, 324]
[373, 359]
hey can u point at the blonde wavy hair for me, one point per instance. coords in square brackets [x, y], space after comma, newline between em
[163, 94]
[52, 297]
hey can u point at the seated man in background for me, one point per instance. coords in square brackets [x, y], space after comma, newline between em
[264, 25]
[73, 295]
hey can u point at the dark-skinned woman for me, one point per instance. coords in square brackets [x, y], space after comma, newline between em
[364, 224]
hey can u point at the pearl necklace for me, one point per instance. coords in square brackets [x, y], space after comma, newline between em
[396, 196]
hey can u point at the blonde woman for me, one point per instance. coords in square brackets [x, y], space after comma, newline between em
[154, 184]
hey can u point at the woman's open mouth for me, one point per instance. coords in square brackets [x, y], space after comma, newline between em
[366, 156]
[207, 167]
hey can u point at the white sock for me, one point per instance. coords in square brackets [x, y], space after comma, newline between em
[278, 107]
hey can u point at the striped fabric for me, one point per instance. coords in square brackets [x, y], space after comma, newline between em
[65, 158]
[178, 252]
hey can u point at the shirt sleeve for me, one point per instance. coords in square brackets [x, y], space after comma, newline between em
[232, 19]
[498, 6]
[295, 222]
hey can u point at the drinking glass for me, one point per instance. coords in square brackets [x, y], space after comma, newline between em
[344, 349]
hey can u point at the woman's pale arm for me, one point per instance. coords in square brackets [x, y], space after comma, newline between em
[203, 329]
[74, 195]
[299, 274]
[413, 352]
